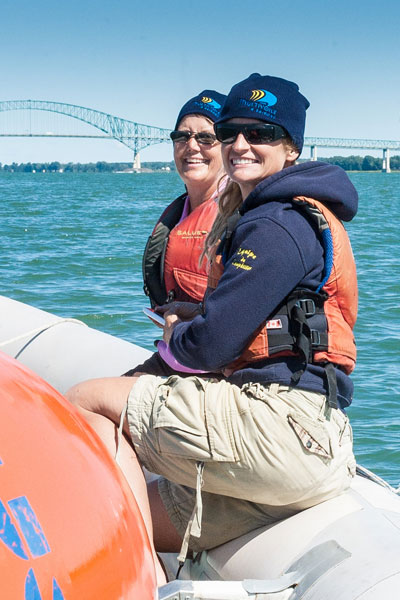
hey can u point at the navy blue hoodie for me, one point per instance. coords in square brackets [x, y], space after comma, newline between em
[275, 248]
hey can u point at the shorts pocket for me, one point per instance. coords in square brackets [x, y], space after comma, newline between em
[183, 425]
[176, 421]
[312, 435]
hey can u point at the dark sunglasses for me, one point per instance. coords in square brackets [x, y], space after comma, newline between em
[259, 133]
[202, 137]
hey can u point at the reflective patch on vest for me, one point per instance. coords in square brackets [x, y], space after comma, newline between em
[274, 324]
[185, 234]
[242, 257]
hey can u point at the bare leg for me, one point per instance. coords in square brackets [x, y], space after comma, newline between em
[101, 402]
[166, 537]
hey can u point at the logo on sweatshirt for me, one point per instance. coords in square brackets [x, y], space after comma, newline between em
[242, 258]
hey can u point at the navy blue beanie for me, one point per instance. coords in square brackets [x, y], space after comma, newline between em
[208, 103]
[269, 99]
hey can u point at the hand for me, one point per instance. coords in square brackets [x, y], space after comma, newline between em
[171, 321]
[186, 311]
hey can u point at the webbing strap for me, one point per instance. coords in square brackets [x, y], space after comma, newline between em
[332, 385]
[194, 525]
[303, 333]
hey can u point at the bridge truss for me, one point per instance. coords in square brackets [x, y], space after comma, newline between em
[350, 143]
[385, 145]
[135, 136]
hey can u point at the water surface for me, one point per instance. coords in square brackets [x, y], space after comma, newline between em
[71, 243]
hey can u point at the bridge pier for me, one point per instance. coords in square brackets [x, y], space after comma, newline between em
[136, 162]
[313, 152]
[386, 160]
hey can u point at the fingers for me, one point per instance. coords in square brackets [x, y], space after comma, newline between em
[171, 319]
[170, 323]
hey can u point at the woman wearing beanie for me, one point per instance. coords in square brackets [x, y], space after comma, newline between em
[271, 438]
[172, 269]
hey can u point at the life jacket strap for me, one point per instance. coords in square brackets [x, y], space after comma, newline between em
[331, 380]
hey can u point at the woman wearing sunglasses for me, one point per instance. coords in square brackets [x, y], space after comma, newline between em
[271, 437]
[172, 269]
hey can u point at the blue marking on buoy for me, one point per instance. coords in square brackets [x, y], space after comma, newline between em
[9, 534]
[57, 593]
[31, 587]
[30, 526]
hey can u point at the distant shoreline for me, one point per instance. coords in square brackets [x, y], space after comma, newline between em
[348, 163]
[98, 167]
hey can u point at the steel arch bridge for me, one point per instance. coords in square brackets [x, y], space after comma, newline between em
[352, 143]
[135, 136]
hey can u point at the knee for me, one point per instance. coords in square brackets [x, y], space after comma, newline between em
[72, 394]
[79, 395]
[105, 396]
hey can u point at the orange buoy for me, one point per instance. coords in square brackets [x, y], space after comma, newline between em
[70, 527]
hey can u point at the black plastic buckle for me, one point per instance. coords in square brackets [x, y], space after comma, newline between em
[307, 306]
[315, 337]
[171, 296]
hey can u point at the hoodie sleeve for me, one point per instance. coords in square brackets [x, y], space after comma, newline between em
[266, 262]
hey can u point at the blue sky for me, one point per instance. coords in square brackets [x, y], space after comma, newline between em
[143, 60]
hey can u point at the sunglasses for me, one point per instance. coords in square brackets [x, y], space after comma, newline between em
[258, 133]
[202, 137]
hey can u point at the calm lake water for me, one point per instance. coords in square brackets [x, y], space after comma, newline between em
[72, 243]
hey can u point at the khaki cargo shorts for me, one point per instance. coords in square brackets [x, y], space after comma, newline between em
[268, 451]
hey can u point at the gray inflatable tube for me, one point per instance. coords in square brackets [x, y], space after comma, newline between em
[347, 548]
[63, 351]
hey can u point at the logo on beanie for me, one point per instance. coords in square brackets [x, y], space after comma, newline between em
[211, 102]
[263, 96]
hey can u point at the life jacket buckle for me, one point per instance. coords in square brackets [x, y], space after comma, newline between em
[171, 296]
[307, 305]
[315, 337]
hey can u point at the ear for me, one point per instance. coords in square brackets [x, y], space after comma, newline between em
[291, 156]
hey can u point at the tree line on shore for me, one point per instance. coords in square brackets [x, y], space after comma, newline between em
[362, 163]
[348, 163]
[98, 167]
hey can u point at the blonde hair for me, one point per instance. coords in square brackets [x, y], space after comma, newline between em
[229, 202]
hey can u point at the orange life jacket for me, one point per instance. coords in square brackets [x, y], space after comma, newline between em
[171, 269]
[316, 325]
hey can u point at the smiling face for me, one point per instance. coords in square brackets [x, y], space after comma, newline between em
[248, 164]
[199, 165]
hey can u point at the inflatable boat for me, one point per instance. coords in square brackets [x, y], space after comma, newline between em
[71, 529]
